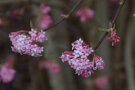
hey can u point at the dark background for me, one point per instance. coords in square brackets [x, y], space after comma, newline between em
[120, 64]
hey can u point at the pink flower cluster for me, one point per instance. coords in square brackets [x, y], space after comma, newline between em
[78, 59]
[45, 18]
[50, 66]
[28, 43]
[114, 38]
[85, 14]
[7, 73]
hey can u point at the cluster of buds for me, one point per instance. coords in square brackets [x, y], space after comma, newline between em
[114, 38]
[28, 42]
[78, 59]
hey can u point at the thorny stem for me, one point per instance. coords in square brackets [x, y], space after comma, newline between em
[64, 17]
[112, 23]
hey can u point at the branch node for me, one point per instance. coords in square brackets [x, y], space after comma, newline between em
[65, 16]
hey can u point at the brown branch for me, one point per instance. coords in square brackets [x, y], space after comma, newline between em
[112, 23]
[64, 17]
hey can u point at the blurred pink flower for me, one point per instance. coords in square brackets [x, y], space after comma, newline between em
[44, 9]
[45, 21]
[50, 66]
[7, 73]
[101, 82]
[114, 38]
[85, 14]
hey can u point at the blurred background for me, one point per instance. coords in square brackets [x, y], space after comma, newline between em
[48, 72]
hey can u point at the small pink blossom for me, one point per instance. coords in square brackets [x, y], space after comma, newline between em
[85, 14]
[44, 9]
[28, 43]
[101, 82]
[80, 48]
[37, 36]
[7, 73]
[98, 62]
[45, 21]
[114, 38]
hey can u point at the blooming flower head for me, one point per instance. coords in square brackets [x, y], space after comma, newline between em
[85, 14]
[45, 21]
[98, 62]
[44, 9]
[28, 43]
[114, 38]
[20, 42]
[82, 66]
[77, 58]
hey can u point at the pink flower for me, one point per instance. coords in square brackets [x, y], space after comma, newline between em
[50, 66]
[101, 82]
[37, 36]
[7, 74]
[85, 14]
[98, 62]
[45, 21]
[82, 66]
[28, 43]
[114, 38]
[78, 58]
[44, 9]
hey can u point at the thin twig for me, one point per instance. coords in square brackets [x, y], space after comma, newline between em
[67, 15]
[112, 23]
